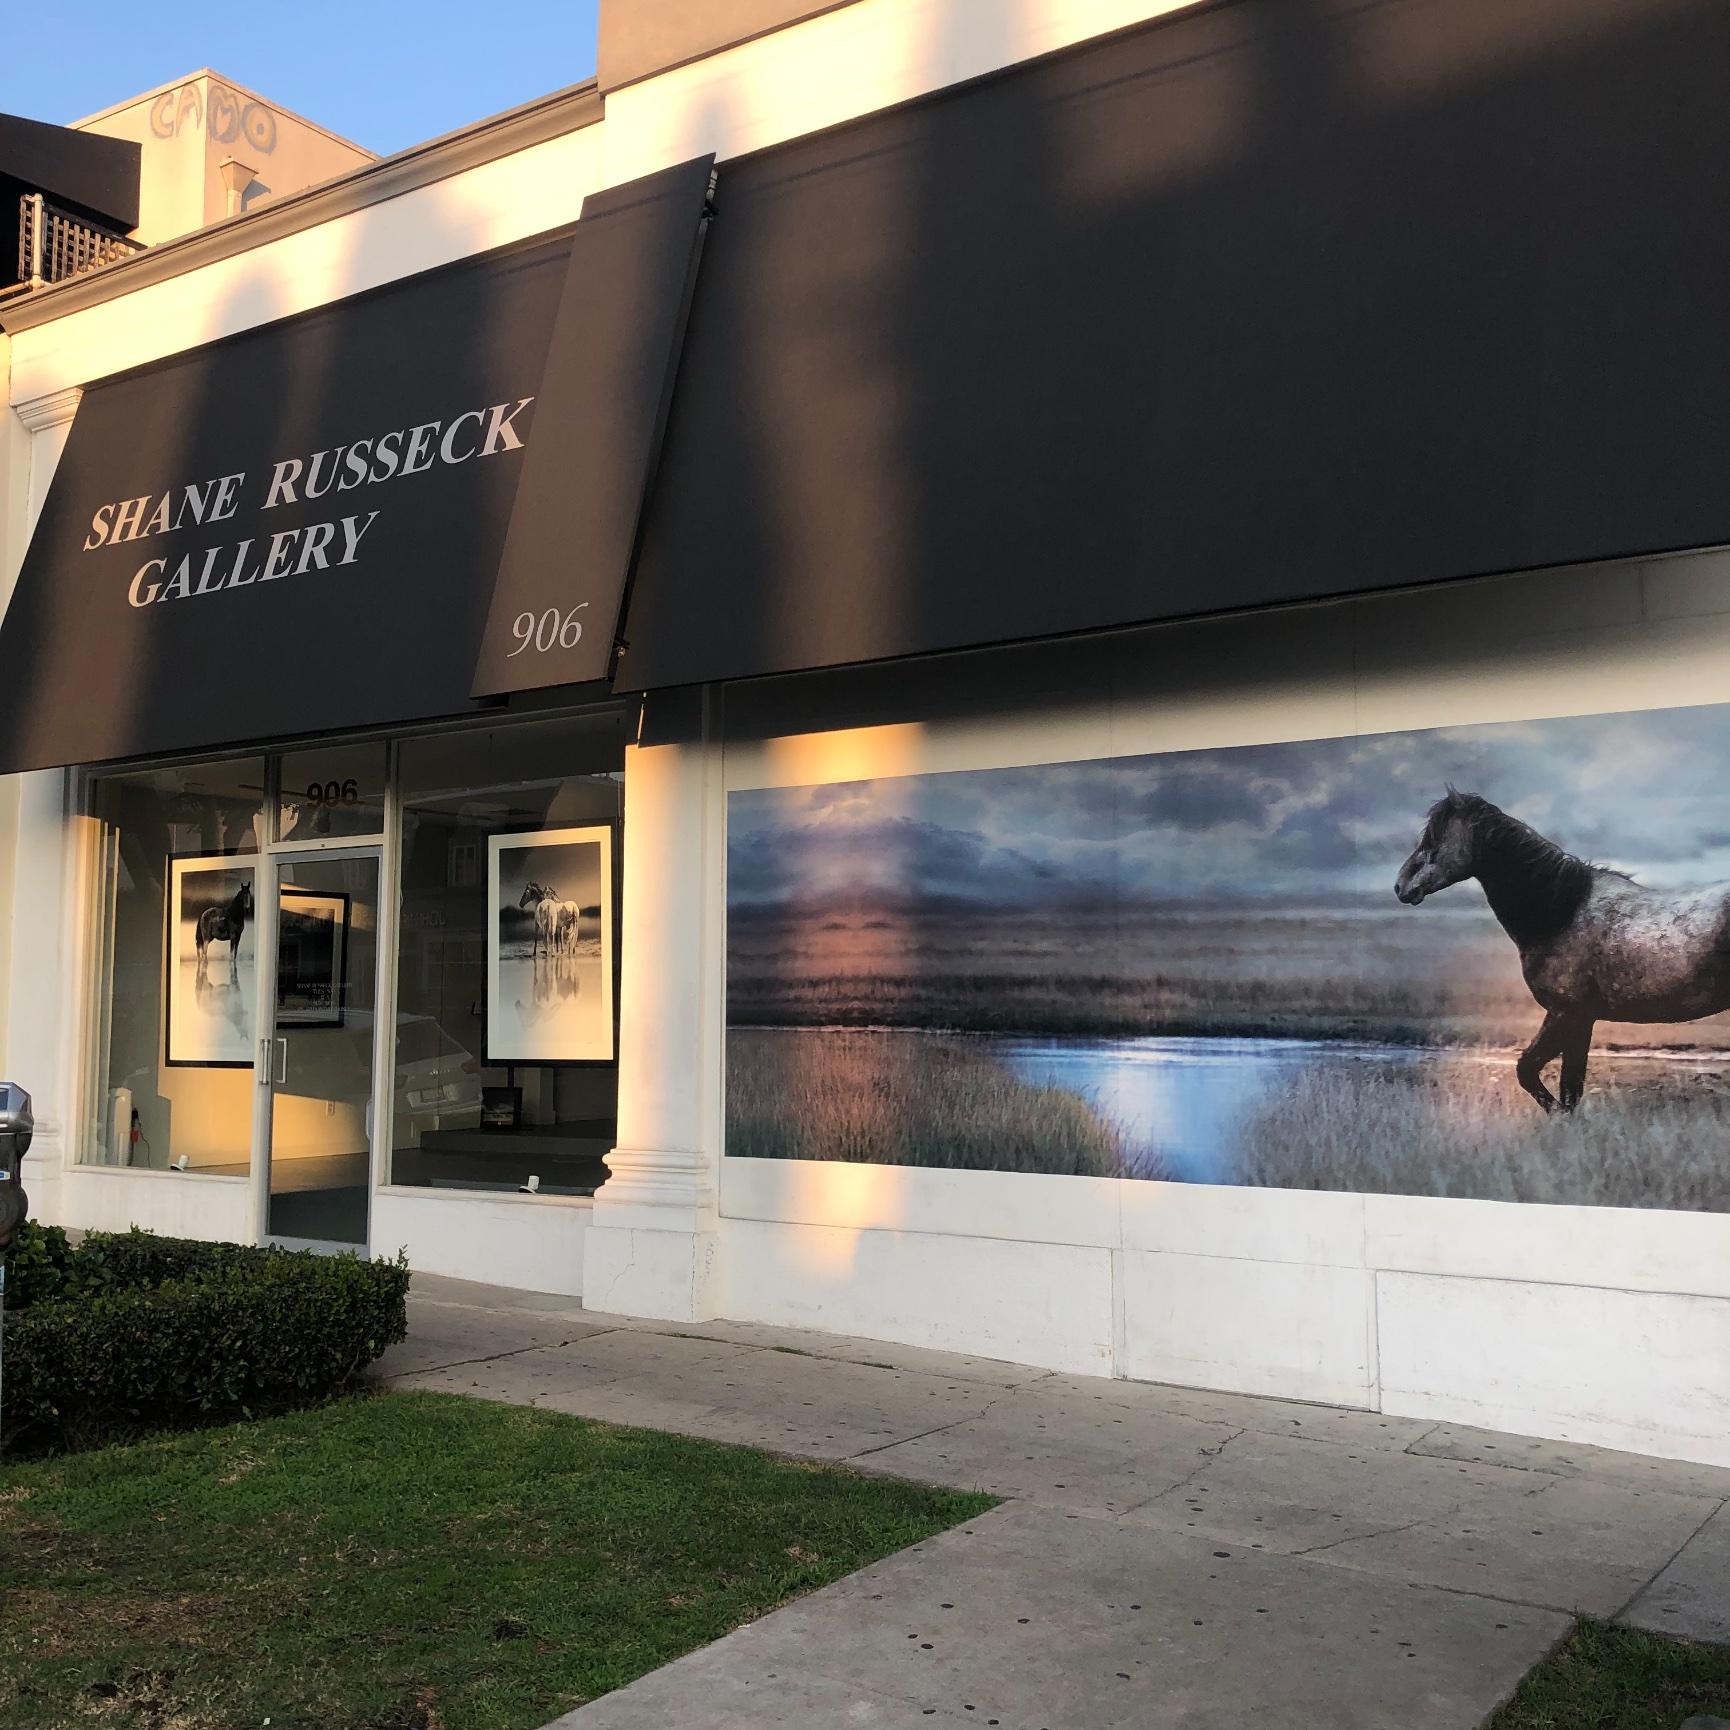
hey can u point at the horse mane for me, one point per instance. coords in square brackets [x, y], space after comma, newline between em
[1531, 882]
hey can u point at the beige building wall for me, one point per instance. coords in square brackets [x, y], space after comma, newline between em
[639, 38]
[192, 128]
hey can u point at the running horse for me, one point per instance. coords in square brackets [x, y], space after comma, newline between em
[224, 925]
[1594, 944]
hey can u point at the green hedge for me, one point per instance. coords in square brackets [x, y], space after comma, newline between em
[189, 1330]
[141, 1258]
[44, 1265]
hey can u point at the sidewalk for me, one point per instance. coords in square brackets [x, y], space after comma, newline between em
[1164, 1556]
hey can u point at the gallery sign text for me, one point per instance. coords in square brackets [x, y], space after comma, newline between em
[479, 432]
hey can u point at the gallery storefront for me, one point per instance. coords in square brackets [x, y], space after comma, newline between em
[313, 868]
[1015, 725]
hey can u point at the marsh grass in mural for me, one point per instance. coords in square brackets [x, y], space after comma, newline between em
[1194, 966]
[907, 1099]
[1656, 1135]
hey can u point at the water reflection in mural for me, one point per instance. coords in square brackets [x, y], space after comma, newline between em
[1194, 966]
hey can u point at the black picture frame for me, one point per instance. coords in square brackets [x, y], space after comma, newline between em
[302, 968]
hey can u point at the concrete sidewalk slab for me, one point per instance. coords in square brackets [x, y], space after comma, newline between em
[1571, 1460]
[873, 1354]
[1692, 1595]
[1031, 1619]
[1574, 1544]
[1257, 1414]
[1049, 1446]
[1166, 1556]
[446, 1335]
[825, 1408]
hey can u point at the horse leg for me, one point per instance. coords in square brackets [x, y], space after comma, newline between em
[1576, 1048]
[1546, 1045]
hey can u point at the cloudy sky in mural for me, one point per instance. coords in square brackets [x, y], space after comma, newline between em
[1311, 820]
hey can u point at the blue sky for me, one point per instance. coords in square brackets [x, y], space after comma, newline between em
[384, 75]
[1302, 823]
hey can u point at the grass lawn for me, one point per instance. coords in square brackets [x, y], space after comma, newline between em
[1604, 1678]
[404, 1561]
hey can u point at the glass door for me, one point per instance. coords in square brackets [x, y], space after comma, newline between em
[315, 1062]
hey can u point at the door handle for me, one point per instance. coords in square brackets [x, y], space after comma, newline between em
[263, 1064]
[282, 1060]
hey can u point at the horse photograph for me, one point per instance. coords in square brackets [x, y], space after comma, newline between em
[550, 946]
[211, 965]
[1594, 944]
[1187, 967]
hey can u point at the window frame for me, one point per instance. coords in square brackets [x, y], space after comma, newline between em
[92, 1010]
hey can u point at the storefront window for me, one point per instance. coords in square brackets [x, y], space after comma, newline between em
[503, 1045]
[173, 1030]
[505, 1057]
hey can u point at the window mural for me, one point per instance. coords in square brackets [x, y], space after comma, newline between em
[1481, 961]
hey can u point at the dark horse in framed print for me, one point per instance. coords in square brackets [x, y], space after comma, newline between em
[1594, 944]
[225, 924]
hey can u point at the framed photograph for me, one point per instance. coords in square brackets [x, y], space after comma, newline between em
[550, 946]
[210, 961]
[311, 958]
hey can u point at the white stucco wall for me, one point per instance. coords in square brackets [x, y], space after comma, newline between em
[1591, 1324]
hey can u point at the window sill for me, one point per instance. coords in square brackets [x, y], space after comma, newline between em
[505, 1198]
[80, 1168]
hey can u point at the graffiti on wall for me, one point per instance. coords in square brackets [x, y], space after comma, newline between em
[1483, 961]
[231, 118]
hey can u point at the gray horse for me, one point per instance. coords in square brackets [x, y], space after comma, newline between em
[1594, 944]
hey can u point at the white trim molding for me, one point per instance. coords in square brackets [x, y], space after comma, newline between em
[54, 409]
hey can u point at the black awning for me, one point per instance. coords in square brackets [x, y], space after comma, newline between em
[95, 174]
[297, 530]
[1255, 304]
[609, 375]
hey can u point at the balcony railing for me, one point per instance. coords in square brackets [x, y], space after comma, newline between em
[54, 245]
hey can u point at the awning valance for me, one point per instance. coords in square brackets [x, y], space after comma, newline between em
[302, 528]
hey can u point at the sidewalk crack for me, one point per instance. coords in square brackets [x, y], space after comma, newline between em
[935, 1430]
[1360, 1537]
[1646, 1585]
[498, 1357]
[1210, 1457]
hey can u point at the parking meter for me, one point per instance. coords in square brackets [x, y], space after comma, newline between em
[17, 1125]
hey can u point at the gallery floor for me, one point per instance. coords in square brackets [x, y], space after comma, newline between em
[320, 1199]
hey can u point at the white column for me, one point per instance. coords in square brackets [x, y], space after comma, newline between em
[651, 1249]
[39, 970]
[44, 982]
